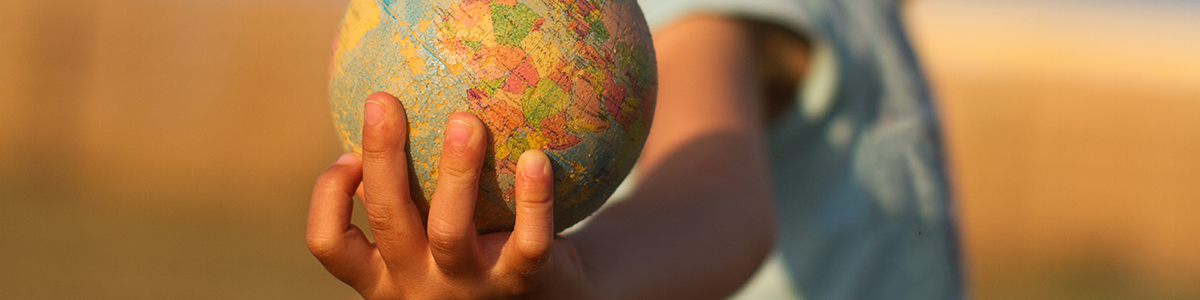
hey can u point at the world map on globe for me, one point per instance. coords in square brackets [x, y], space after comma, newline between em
[573, 78]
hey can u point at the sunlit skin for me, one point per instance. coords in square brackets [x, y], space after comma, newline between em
[448, 260]
[697, 226]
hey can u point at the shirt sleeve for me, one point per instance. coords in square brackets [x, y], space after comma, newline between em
[816, 95]
[787, 13]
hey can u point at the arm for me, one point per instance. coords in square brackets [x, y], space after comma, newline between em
[699, 227]
[701, 219]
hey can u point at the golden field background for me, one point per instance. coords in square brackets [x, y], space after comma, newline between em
[165, 149]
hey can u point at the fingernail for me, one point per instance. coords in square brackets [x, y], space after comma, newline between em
[347, 159]
[458, 133]
[374, 113]
[536, 165]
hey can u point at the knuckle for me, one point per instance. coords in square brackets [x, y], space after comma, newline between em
[326, 182]
[458, 150]
[443, 238]
[380, 152]
[533, 249]
[381, 220]
[535, 201]
[323, 247]
[378, 143]
[460, 172]
[330, 177]
[537, 198]
[535, 193]
[326, 187]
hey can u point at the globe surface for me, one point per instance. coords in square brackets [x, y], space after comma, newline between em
[573, 78]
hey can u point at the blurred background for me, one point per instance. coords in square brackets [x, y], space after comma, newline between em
[165, 149]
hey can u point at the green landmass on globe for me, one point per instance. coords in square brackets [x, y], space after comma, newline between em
[573, 78]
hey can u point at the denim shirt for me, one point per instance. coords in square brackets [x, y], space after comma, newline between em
[856, 164]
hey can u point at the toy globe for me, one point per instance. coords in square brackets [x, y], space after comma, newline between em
[575, 79]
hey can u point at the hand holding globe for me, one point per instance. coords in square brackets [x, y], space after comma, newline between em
[573, 78]
[449, 261]
[566, 86]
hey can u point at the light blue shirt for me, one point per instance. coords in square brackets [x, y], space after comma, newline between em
[856, 165]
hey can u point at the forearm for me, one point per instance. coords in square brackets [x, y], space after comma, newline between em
[700, 219]
[687, 232]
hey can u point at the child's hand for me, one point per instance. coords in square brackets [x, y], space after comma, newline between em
[447, 261]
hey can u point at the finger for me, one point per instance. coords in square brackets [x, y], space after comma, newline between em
[394, 219]
[451, 229]
[533, 232]
[337, 243]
